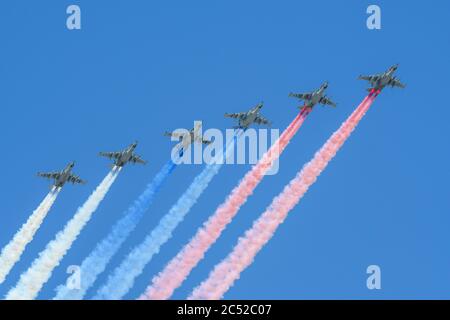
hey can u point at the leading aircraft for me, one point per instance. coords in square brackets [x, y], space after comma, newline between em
[381, 80]
[313, 98]
[245, 119]
[60, 178]
[123, 157]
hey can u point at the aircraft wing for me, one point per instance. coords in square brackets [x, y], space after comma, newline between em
[303, 96]
[328, 102]
[235, 115]
[137, 159]
[369, 78]
[49, 175]
[261, 120]
[111, 155]
[174, 134]
[397, 83]
[74, 179]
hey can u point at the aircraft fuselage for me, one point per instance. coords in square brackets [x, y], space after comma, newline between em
[249, 118]
[64, 176]
[316, 98]
[125, 157]
[386, 79]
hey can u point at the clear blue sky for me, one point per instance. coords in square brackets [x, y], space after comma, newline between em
[138, 68]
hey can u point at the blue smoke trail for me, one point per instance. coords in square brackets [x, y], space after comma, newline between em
[123, 277]
[98, 259]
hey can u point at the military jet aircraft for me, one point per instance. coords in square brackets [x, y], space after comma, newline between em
[313, 98]
[188, 138]
[247, 118]
[123, 157]
[60, 178]
[379, 81]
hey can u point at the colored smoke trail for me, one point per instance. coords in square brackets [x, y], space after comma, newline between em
[179, 267]
[96, 262]
[12, 252]
[123, 277]
[228, 271]
[32, 280]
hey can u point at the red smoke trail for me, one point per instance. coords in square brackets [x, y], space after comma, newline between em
[181, 265]
[228, 271]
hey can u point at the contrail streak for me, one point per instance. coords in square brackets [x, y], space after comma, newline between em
[179, 267]
[32, 280]
[95, 263]
[12, 252]
[123, 277]
[228, 271]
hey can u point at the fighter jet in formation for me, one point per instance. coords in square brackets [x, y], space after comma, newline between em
[379, 81]
[60, 178]
[123, 157]
[312, 98]
[188, 138]
[245, 119]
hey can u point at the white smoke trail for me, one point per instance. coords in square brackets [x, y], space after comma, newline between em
[12, 252]
[32, 281]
